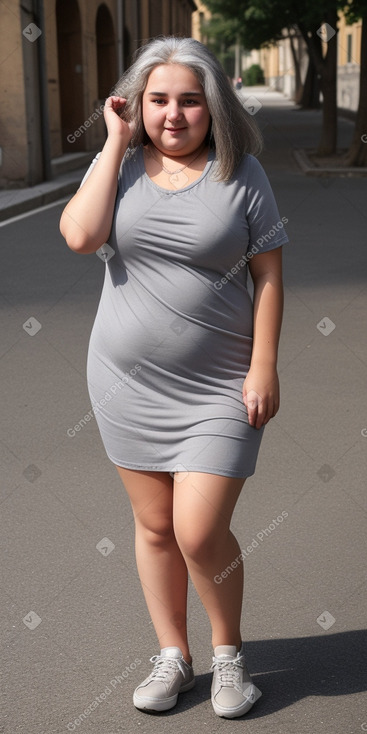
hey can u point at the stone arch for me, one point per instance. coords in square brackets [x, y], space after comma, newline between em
[106, 51]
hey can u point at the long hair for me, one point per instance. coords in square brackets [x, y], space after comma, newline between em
[233, 132]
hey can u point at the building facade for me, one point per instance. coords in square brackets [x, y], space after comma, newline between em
[277, 63]
[201, 15]
[59, 61]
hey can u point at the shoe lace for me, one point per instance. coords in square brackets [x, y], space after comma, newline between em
[229, 672]
[165, 667]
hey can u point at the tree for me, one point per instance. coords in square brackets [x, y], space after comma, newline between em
[326, 68]
[310, 99]
[221, 35]
[357, 153]
[263, 22]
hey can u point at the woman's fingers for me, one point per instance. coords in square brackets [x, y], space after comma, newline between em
[260, 410]
[113, 115]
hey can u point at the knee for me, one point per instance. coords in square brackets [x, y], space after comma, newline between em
[200, 547]
[155, 533]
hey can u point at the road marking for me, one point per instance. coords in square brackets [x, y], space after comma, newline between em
[34, 211]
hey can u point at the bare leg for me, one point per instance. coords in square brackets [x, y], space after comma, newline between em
[202, 511]
[161, 566]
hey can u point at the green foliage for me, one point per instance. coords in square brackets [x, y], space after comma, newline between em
[220, 35]
[262, 21]
[355, 10]
[253, 75]
[220, 31]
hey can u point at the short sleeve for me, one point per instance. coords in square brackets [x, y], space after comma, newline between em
[94, 161]
[90, 169]
[266, 227]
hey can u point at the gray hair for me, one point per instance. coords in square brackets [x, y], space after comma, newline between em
[233, 131]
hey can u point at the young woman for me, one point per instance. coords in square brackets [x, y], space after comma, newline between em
[182, 364]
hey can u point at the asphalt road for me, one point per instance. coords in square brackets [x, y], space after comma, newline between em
[75, 633]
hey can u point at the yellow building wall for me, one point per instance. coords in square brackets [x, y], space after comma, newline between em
[355, 31]
[201, 12]
[94, 135]
[22, 126]
[13, 130]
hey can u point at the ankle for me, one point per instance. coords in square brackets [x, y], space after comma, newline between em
[185, 652]
[237, 643]
[186, 656]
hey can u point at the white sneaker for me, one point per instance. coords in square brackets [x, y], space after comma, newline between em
[170, 676]
[233, 692]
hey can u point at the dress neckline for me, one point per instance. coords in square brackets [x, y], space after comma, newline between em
[206, 169]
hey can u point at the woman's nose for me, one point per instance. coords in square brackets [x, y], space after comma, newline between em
[173, 112]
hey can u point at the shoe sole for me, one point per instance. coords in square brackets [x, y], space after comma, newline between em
[150, 704]
[228, 713]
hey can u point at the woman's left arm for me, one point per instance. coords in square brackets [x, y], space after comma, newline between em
[261, 386]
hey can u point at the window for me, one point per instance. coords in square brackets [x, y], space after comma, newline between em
[349, 48]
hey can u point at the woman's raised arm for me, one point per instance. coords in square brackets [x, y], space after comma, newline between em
[86, 220]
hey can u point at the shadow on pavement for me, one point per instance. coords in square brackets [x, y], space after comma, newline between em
[333, 665]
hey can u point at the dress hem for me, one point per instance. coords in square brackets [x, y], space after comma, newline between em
[198, 468]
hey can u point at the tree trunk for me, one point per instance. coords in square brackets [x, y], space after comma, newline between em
[327, 73]
[357, 153]
[297, 69]
[310, 99]
[328, 139]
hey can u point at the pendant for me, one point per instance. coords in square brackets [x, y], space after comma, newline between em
[179, 180]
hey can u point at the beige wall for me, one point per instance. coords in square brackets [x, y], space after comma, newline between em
[355, 31]
[93, 136]
[20, 127]
[201, 12]
[13, 131]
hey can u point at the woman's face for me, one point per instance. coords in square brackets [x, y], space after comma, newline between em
[175, 113]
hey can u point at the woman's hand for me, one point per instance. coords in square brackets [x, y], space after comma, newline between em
[261, 394]
[113, 109]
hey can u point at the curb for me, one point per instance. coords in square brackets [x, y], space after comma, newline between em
[308, 168]
[20, 201]
[36, 200]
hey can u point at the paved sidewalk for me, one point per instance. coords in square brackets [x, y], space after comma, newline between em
[17, 201]
[75, 635]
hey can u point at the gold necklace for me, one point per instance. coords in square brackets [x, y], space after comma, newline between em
[178, 170]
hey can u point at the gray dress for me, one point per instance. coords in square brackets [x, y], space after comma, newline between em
[171, 342]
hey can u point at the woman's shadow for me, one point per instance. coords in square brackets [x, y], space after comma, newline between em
[287, 670]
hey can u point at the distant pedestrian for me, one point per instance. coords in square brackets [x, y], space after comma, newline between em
[239, 83]
[182, 365]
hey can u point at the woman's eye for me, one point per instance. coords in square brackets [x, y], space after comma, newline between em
[186, 102]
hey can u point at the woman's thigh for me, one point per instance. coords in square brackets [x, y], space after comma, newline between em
[151, 497]
[203, 505]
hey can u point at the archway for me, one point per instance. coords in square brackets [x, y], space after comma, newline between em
[69, 49]
[106, 52]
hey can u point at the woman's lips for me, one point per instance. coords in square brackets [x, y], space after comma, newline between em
[175, 129]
